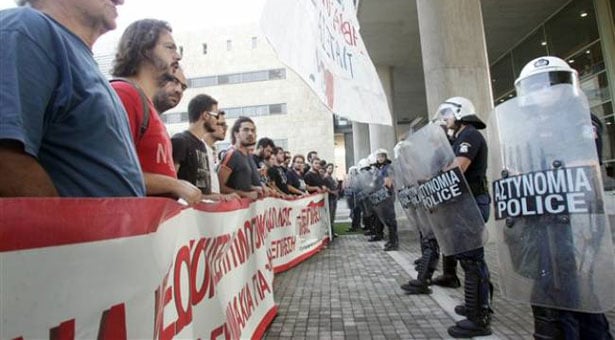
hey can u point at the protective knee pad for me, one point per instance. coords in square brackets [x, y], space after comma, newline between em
[476, 290]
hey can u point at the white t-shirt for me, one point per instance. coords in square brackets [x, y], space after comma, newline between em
[215, 184]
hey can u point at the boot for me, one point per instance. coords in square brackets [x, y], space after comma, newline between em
[393, 243]
[546, 323]
[476, 289]
[449, 277]
[375, 238]
[426, 267]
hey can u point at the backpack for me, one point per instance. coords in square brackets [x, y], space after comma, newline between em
[144, 104]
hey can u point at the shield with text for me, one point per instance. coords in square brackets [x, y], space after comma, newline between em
[405, 177]
[554, 239]
[444, 193]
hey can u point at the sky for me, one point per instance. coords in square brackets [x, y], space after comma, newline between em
[183, 15]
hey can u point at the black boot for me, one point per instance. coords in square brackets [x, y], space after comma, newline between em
[476, 289]
[375, 238]
[546, 324]
[391, 246]
[449, 277]
[426, 267]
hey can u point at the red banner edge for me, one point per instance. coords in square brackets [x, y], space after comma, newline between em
[265, 323]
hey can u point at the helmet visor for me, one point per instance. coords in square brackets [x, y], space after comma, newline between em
[446, 112]
[543, 80]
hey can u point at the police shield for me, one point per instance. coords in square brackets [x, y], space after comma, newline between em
[444, 193]
[554, 239]
[405, 177]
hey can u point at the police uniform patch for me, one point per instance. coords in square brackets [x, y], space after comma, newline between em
[464, 147]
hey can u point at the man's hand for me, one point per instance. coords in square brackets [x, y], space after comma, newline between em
[388, 182]
[188, 192]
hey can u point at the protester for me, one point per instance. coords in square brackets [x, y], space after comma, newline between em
[277, 173]
[62, 130]
[295, 174]
[332, 186]
[264, 148]
[145, 57]
[192, 160]
[313, 179]
[171, 91]
[237, 172]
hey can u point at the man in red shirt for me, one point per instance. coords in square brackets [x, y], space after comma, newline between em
[145, 58]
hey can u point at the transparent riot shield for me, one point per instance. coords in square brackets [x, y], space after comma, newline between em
[405, 177]
[554, 239]
[444, 193]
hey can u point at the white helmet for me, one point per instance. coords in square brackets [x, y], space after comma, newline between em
[545, 72]
[382, 151]
[363, 163]
[462, 109]
[372, 158]
[353, 171]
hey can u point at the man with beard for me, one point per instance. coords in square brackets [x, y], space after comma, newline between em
[62, 130]
[146, 55]
[277, 173]
[295, 174]
[171, 92]
[193, 162]
[264, 148]
[237, 172]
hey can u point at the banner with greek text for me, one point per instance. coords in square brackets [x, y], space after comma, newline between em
[320, 41]
[149, 268]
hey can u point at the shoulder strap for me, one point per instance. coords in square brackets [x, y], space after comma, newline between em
[144, 105]
[227, 156]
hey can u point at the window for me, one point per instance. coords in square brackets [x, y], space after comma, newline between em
[502, 76]
[202, 82]
[277, 74]
[255, 111]
[534, 46]
[572, 28]
[237, 78]
[229, 45]
[204, 48]
[254, 42]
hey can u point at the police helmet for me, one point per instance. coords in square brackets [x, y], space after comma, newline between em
[462, 110]
[371, 159]
[545, 72]
[382, 151]
[363, 163]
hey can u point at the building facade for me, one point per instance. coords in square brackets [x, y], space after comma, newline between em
[237, 67]
[429, 50]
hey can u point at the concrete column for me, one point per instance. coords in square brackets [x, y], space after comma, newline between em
[360, 140]
[606, 27]
[383, 136]
[454, 52]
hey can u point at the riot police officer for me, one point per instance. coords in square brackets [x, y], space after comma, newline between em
[384, 202]
[470, 149]
[560, 247]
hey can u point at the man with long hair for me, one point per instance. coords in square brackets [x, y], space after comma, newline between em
[146, 55]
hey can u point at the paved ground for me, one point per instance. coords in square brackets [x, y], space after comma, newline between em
[351, 291]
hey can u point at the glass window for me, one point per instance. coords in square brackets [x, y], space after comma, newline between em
[202, 82]
[262, 110]
[234, 78]
[502, 76]
[254, 76]
[277, 74]
[588, 61]
[283, 143]
[532, 47]
[254, 42]
[572, 28]
[229, 45]
[276, 108]
[596, 89]
[223, 79]
[232, 112]
[204, 48]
